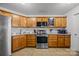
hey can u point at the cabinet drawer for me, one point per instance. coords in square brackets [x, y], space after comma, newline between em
[52, 36]
[59, 36]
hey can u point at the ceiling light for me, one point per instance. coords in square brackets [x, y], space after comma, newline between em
[23, 3]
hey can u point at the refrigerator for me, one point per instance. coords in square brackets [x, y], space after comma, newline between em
[5, 35]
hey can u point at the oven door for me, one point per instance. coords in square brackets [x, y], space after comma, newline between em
[42, 39]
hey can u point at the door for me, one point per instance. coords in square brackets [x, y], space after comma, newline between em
[75, 33]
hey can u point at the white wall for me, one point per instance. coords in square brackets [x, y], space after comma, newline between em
[73, 27]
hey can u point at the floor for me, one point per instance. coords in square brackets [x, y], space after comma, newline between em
[45, 52]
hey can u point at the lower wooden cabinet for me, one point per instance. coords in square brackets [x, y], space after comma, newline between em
[67, 41]
[31, 40]
[23, 41]
[18, 42]
[52, 40]
[60, 41]
[15, 43]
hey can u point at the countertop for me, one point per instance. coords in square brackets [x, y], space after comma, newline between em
[35, 34]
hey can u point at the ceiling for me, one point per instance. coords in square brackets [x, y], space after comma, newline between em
[39, 8]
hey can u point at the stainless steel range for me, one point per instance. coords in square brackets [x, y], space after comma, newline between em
[42, 39]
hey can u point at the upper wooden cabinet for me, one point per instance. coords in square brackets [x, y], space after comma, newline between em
[22, 21]
[42, 19]
[60, 22]
[15, 21]
[5, 13]
[31, 22]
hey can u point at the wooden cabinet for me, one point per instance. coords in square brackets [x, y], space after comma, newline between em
[5, 13]
[22, 41]
[52, 40]
[15, 21]
[31, 40]
[42, 19]
[31, 22]
[60, 22]
[18, 42]
[15, 43]
[61, 41]
[67, 41]
[22, 21]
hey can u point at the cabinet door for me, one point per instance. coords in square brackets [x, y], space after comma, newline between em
[67, 41]
[22, 21]
[57, 22]
[15, 21]
[52, 40]
[23, 38]
[38, 19]
[33, 22]
[64, 21]
[31, 41]
[15, 43]
[61, 42]
[60, 22]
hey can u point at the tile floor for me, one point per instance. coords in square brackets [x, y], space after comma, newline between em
[45, 52]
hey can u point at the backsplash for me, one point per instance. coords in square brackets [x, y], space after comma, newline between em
[16, 31]
[27, 30]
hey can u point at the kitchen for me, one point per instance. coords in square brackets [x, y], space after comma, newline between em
[42, 30]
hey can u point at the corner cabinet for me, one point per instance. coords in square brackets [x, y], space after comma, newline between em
[18, 42]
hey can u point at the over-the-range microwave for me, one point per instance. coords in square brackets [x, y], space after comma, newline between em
[41, 24]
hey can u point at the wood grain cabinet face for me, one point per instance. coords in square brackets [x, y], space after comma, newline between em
[15, 43]
[61, 41]
[31, 22]
[42, 19]
[22, 21]
[15, 21]
[67, 41]
[31, 40]
[23, 41]
[60, 22]
[52, 40]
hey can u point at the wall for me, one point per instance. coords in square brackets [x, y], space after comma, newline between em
[73, 27]
[17, 31]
